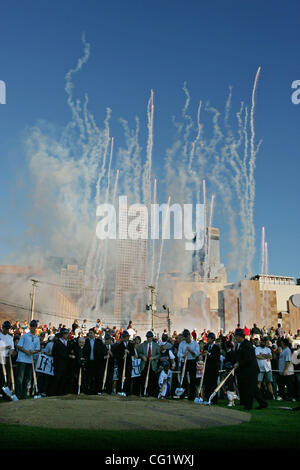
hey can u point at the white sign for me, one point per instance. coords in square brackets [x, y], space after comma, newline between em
[44, 364]
[135, 368]
[115, 377]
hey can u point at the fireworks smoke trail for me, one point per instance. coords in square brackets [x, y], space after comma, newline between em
[253, 152]
[263, 271]
[154, 229]
[148, 164]
[79, 168]
[103, 253]
[207, 259]
[130, 160]
[162, 242]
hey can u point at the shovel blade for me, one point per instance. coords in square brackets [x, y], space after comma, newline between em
[179, 391]
[14, 398]
[7, 391]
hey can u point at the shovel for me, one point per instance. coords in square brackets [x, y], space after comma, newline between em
[199, 399]
[79, 381]
[5, 389]
[123, 394]
[37, 395]
[147, 380]
[13, 396]
[218, 388]
[179, 391]
[105, 373]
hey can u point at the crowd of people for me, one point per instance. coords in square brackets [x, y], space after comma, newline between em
[261, 364]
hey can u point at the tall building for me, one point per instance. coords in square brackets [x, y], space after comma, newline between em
[130, 281]
[206, 261]
[72, 280]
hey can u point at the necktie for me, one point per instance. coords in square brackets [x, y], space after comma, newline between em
[149, 351]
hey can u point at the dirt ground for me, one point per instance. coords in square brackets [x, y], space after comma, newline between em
[117, 413]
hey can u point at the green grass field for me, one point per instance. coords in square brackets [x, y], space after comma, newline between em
[269, 428]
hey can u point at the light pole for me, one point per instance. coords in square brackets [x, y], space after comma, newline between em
[34, 284]
[165, 307]
[153, 306]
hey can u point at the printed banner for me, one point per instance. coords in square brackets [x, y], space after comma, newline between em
[44, 364]
[115, 377]
[135, 368]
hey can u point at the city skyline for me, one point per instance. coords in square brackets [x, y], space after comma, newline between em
[27, 222]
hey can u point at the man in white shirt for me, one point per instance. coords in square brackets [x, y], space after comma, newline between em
[296, 363]
[189, 349]
[28, 345]
[264, 356]
[286, 371]
[6, 349]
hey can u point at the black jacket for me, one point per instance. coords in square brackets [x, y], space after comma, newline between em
[99, 350]
[245, 356]
[118, 351]
[60, 353]
[213, 359]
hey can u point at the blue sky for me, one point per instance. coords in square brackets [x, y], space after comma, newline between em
[139, 45]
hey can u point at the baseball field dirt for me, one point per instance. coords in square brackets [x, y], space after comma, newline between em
[117, 413]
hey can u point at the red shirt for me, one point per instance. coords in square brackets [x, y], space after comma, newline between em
[246, 331]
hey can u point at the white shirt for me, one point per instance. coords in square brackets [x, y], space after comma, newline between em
[49, 347]
[2, 352]
[263, 364]
[193, 346]
[286, 356]
[28, 342]
[131, 332]
[8, 341]
[163, 376]
[295, 359]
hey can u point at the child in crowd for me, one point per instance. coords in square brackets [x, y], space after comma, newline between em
[164, 381]
[199, 373]
[230, 386]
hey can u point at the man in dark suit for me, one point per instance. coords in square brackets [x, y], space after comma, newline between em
[247, 370]
[212, 367]
[61, 358]
[110, 365]
[124, 348]
[149, 352]
[94, 352]
[79, 364]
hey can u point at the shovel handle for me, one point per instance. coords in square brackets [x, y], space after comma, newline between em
[220, 385]
[105, 373]
[147, 378]
[4, 373]
[34, 375]
[12, 373]
[183, 371]
[124, 370]
[202, 378]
